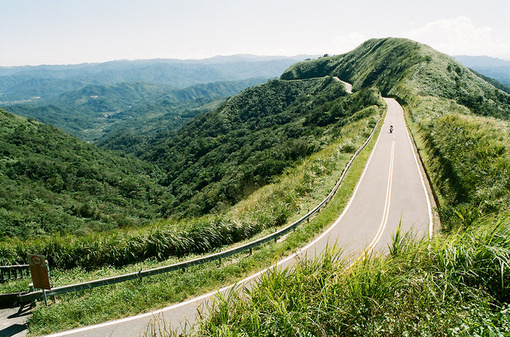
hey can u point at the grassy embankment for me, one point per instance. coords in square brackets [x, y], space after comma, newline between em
[458, 283]
[294, 192]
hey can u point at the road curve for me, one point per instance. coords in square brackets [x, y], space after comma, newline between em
[392, 189]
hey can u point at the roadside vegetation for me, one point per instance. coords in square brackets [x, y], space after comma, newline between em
[450, 286]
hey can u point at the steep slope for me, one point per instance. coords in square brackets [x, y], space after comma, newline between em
[223, 156]
[54, 183]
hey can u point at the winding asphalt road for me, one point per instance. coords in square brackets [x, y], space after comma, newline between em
[392, 190]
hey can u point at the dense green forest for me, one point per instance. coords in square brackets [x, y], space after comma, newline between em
[219, 158]
[52, 182]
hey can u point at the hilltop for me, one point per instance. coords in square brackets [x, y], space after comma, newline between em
[406, 69]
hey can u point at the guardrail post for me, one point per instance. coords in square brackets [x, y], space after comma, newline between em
[45, 299]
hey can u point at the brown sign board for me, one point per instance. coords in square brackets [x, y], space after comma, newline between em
[39, 271]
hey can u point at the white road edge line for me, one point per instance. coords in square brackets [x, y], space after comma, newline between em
[421, 173]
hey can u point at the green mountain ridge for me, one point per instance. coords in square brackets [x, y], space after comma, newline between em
[22, 83]
[225, 154]
[436, 90]
[404, 68]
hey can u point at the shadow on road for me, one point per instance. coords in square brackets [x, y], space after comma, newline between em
[13, 330]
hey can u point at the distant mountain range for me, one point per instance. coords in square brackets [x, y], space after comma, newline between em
[94, 111]
[91, 100]
[26, 82]
[488, 66]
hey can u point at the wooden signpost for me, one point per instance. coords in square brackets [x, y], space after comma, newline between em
[39, 271]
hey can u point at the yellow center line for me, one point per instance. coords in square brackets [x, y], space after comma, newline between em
[384, 221]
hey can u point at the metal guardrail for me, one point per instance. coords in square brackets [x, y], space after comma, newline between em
[8, 273]
[27, 297]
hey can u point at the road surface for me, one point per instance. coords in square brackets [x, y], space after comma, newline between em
[392, 189]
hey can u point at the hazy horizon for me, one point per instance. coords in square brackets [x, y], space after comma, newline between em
[61, 32]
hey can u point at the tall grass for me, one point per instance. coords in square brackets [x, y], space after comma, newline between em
[453, 285]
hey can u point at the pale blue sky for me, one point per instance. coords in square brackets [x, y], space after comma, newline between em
[69, 31]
